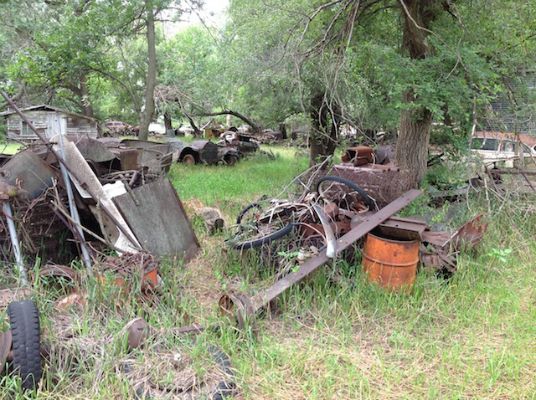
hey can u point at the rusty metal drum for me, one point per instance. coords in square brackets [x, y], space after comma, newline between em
[391, 263]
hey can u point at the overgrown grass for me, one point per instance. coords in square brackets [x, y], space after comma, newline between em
[230, 187]
[335, 336]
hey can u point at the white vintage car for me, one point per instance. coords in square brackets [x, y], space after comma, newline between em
[499, 149]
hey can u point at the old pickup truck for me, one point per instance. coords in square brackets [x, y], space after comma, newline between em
[499, 149]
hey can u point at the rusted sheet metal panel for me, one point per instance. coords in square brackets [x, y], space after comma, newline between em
[403, 228]
[382, 182]
[471, 233]
[359, 155]
[157, 218]
[30, 172]
[94, 150]
[443, 247]
[157, 157]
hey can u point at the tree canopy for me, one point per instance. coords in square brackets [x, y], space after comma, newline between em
[378, 65]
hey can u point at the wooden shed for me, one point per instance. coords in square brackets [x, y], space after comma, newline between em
[50, 121]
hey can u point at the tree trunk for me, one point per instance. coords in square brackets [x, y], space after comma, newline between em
[412, 145]
[323, 136]
[148, 111]
[415, 123]
[283, 130]
[168, 125]
[87, 107]
[81, 96]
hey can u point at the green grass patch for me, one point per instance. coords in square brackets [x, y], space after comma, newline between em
[229, 188]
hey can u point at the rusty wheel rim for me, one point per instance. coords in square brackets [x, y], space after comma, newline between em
[238, 307]
[188, 159]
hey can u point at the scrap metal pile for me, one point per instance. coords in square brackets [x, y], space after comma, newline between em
[78, 198]
[316, 217]
[83, 197]
[68, 199]
[330, 215]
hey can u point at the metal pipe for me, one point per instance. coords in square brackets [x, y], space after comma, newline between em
[6, 208]
[86, 258]
[331, 241]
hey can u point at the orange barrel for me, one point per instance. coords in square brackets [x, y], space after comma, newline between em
[391, 263]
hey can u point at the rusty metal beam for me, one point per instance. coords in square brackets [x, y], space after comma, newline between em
[243, 307]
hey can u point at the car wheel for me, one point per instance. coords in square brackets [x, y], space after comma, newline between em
[26, 336]
[231, 159]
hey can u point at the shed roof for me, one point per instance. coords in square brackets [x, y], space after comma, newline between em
[46, 107]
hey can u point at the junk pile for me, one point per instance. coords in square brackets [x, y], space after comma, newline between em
[119, 128]
[375, 172]
[66, 199]
[269, 136]
[331, 216]
[160, 156]
[62, 200]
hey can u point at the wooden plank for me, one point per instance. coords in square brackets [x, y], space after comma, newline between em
[157, 218]
[86, 182]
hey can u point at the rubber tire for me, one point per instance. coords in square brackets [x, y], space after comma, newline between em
[226, 388]
[362, 193]
[25, 329]
[252, 244]
[231, 160]
[245, 210]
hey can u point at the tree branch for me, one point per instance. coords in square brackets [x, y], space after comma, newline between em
[248, 121]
